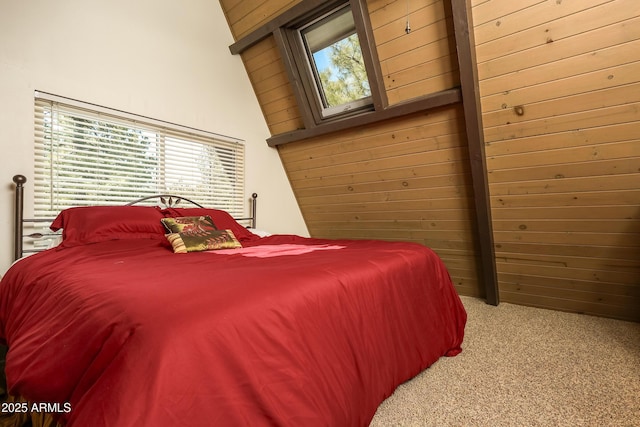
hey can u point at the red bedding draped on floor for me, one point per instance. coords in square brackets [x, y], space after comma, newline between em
[286, 331]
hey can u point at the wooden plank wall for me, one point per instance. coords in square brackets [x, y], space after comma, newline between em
[560, 88]
[271, 86]
[403, 179]
[422, 62]
[244, 16]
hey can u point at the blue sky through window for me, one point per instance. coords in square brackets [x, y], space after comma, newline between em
[322, 60]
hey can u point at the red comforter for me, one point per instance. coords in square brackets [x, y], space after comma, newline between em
[287, 331]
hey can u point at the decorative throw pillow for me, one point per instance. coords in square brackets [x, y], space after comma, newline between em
[195, 242]
[222, 219]
[190, 225]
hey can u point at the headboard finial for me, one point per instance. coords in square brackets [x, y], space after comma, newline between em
[19, 179]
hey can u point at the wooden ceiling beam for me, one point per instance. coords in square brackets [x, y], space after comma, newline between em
[465, 47]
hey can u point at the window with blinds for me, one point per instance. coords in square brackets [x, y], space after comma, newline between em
[89, 155]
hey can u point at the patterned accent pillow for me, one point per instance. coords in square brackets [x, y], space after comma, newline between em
[214, 239]
[190, 225]
[222, 219]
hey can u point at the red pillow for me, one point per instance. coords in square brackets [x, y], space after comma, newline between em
[90, 224]
[222, 219]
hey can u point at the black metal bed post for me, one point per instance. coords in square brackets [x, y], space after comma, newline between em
[254, 200]
[19, 180]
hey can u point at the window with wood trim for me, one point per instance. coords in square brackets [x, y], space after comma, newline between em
[334, 56]
[331, 64]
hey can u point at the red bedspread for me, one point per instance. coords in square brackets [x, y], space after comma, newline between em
[300, 332]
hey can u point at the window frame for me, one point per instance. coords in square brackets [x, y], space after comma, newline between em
[302, 77]
[326, 111]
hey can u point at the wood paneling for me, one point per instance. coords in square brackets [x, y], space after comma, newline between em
[418, 63]
[560, 98]
[272, 87]
[404, 179]
[245, 16]
[560, 85]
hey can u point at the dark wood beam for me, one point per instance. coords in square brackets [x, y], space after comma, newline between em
[436, 100]
[370, 54]
[465, 45]
[289, 59]
[296, 12]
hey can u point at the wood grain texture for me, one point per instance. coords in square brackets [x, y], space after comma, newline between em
[560, 99]
[404, 179]
[244, 16]
[418, 63]
[560, 85]
[271, 85]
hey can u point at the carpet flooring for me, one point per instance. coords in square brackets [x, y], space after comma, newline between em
[523, 366]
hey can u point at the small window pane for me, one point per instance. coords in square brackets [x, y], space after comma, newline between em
[336, 62]
[341, 71]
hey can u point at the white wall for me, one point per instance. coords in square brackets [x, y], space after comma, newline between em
[164, 59]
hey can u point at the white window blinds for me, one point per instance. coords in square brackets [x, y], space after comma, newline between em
[89, 155]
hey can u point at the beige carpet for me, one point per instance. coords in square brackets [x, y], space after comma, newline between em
[523, 366]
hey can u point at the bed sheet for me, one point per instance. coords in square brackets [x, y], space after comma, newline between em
[286, 331]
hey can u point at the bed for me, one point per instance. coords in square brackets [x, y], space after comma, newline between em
[113, 327]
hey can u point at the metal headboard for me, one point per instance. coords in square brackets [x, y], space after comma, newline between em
[167, 200]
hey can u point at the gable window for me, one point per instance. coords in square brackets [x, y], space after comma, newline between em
[334, 56]
[91, 155]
